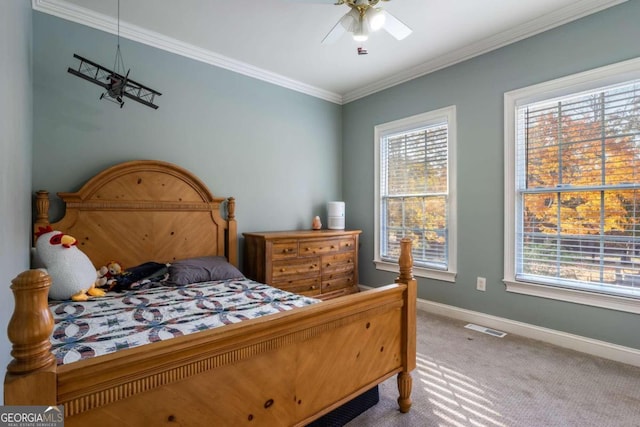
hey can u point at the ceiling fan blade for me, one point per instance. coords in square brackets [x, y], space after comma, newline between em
[395, 27]
[336, 32]
[345, 24]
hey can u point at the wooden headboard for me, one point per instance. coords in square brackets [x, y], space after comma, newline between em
[145, 210]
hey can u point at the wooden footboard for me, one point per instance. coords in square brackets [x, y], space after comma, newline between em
[284, 369]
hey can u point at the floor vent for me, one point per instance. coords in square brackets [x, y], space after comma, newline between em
[485, 330]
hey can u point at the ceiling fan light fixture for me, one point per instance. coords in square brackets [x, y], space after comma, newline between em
[361, 31]
[350, 20]
[363, 18]
[360, 37]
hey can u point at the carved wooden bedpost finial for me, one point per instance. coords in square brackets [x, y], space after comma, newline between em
[231, 208]
[31, 324]
[31, 375]
[42, 211]
[232, 231]
[405, 261]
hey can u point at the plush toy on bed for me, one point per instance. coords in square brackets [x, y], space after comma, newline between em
[108, 275]
[135, 276]
[103, 277]
[71, 271]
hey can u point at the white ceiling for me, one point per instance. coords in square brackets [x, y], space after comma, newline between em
[279, 40]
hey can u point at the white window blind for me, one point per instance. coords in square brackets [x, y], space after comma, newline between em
[414, 194]
[577, 191]
[414, 191]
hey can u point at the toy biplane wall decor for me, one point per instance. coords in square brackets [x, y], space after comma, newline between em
[117, 86]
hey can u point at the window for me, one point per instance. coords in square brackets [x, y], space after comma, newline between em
[415, 192]
[573, 188]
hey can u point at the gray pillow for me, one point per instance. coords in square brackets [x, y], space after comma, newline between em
[202, 269]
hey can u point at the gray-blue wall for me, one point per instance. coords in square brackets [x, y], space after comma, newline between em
[477, 87]
[15, 156]
[277, 151]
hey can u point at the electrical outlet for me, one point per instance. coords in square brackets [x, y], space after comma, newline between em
[481, 284]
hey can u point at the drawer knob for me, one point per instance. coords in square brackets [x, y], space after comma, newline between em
[333, 246]
[312, 287]
[282, 270]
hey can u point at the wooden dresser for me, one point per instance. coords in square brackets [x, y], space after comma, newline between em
[318, 263]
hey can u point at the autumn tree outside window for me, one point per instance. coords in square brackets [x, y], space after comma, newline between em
[576, 188]
[415, 192]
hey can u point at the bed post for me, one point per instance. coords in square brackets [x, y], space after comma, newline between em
[409, 321]
[42, 212]
[232, 232]
[31, 375]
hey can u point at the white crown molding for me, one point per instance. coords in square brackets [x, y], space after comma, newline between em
[546, 22]
[80, 15]
[70, 12]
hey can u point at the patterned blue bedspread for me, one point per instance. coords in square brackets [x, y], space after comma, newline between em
[158, 312]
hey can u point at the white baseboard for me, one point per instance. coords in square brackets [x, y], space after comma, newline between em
[598, 348]
[618, 353]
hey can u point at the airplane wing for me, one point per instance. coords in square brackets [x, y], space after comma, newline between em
[91, 71]
[140, 93]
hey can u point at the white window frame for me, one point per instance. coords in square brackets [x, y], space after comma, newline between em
[585, 81]
[447, 114]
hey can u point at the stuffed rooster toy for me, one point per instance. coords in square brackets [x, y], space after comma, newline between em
[71, 271]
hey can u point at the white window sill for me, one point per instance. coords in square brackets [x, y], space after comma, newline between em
[447, 276]
[631, 305]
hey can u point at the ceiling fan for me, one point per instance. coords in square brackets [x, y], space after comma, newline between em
[363, 18]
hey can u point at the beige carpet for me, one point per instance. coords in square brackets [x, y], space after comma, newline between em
[466, 378]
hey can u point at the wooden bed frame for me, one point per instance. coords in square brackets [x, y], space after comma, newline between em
[284, 369]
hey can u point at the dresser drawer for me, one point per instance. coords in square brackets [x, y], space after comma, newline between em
[320, 247]
[337, 264]
[295, 267]
[284, 250]
[309, 287]
[337, 282]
